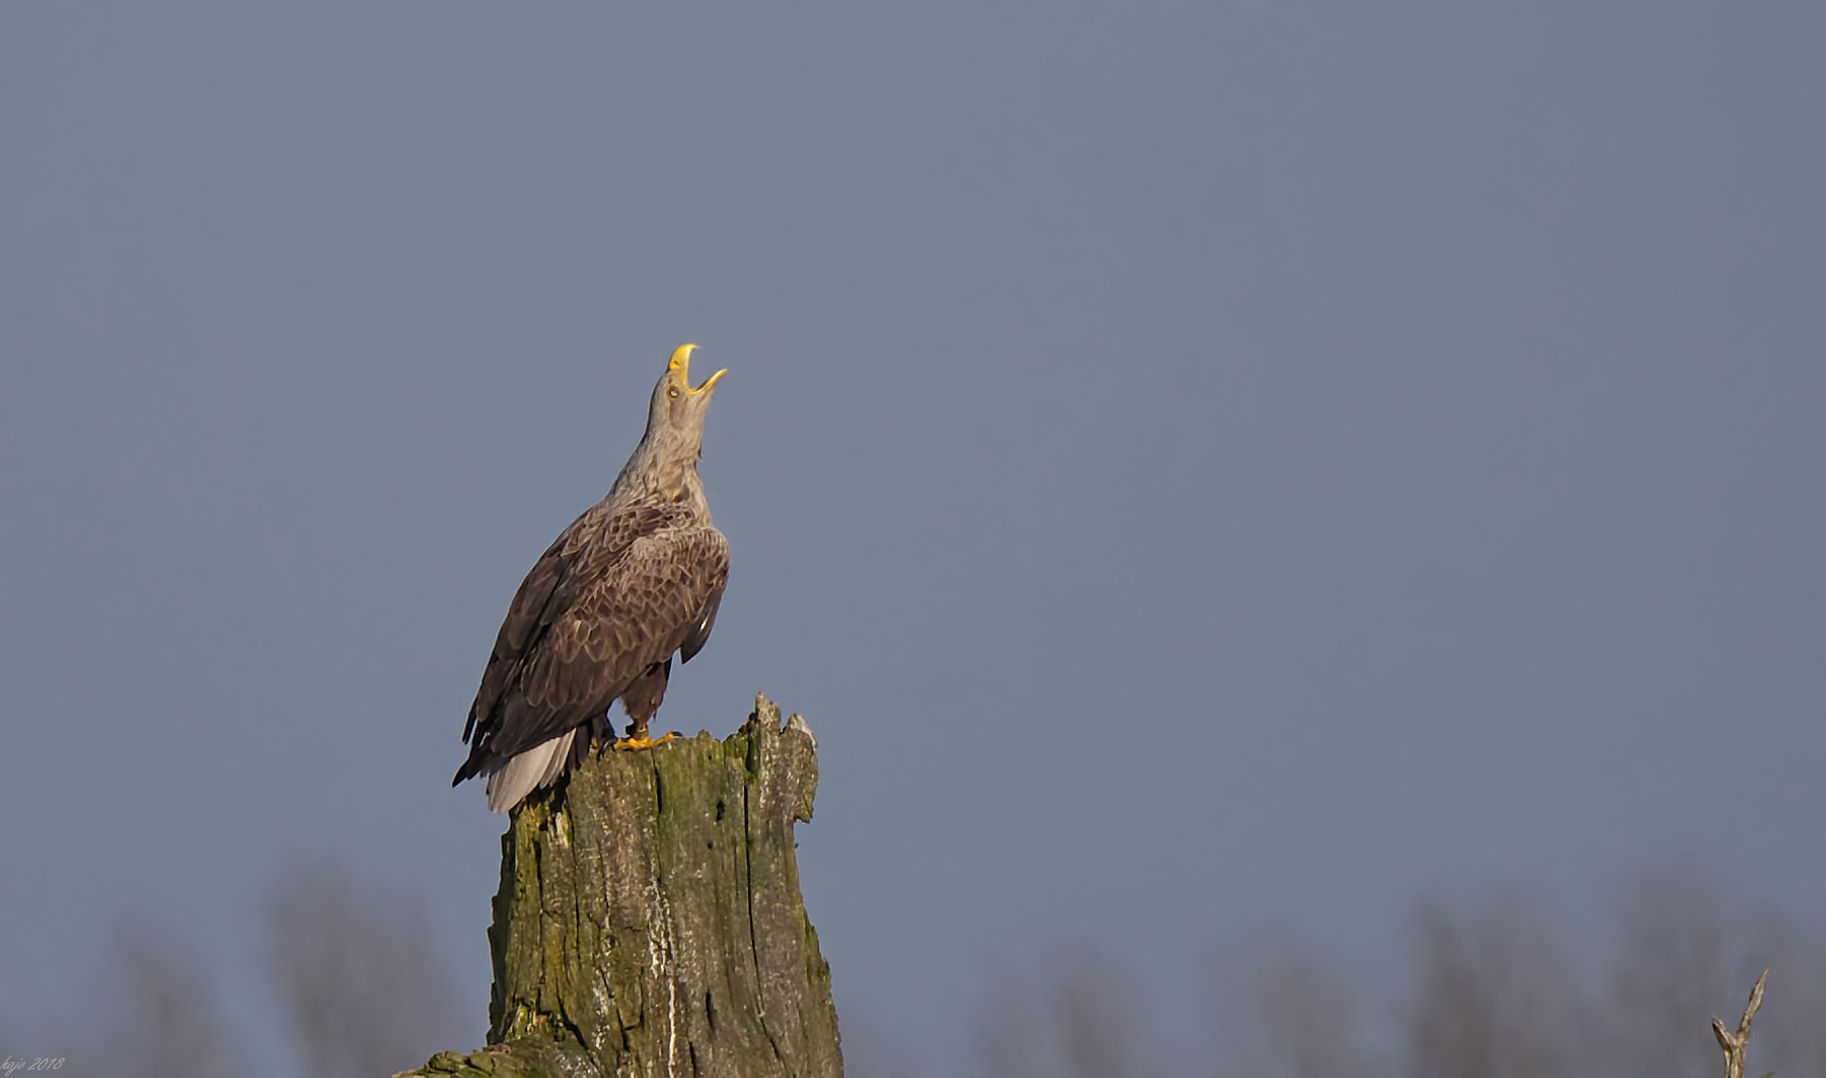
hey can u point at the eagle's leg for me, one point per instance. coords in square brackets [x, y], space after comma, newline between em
[641, 700]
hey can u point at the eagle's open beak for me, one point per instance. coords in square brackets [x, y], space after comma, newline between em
[681, 369]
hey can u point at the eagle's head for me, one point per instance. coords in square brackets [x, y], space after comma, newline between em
[675, 420]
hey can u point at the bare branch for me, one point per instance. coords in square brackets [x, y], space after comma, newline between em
[357, 972]
[1734, 1043]
[1077, 1017]
[1287, 1009]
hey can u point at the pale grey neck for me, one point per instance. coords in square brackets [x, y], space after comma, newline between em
[662, 469]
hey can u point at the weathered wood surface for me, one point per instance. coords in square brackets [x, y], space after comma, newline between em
[649, 920]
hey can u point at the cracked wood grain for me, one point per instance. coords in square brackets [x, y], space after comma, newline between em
[649, 920]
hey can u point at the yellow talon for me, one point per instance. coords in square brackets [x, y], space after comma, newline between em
[635, 744]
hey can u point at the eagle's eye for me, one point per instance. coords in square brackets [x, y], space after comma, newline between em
[672, 391]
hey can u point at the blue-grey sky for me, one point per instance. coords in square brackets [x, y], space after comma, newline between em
[1197, 467]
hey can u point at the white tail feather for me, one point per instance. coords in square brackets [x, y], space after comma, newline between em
[538, 766]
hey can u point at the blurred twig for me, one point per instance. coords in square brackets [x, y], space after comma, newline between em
[1733, 1044]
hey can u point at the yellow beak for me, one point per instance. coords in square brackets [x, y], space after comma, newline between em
[681, 369]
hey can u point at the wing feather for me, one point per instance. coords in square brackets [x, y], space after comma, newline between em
[705, 620]
[639, 587]
[529, 614]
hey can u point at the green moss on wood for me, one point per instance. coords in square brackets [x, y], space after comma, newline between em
[649, 920]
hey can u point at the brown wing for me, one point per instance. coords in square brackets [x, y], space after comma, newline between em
[616, 608]
[705, 620]
[546, 592]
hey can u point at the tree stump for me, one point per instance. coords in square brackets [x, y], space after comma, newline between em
[649, 920]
